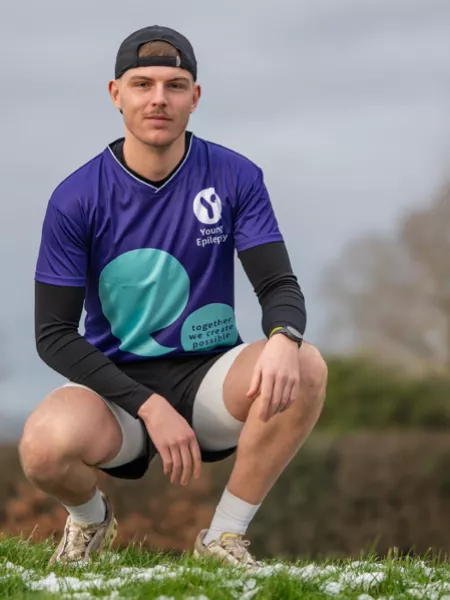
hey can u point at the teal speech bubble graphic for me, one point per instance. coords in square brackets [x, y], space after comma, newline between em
[208, 327]
[142, 292]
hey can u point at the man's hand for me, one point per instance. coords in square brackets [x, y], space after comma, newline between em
[276, 377]
[174, 439]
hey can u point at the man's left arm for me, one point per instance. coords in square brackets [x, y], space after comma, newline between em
[265, 259]
[276, 376]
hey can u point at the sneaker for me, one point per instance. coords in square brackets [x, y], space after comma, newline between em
[230, 548]
[79, 541]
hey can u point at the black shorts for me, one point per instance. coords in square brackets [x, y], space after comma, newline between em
[177, 379]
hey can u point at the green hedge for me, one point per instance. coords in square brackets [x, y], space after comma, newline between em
[365, 395]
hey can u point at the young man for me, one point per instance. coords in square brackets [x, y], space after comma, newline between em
[144, 235]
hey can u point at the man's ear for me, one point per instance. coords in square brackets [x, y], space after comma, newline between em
[197, 95]
[113, 88]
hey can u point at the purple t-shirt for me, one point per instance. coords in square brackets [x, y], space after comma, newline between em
[157, 263]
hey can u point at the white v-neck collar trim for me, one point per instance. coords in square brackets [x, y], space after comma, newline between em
[152, 187]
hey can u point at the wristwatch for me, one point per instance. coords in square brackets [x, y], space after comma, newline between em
[289, 332]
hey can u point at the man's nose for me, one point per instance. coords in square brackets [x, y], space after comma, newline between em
[159, 95]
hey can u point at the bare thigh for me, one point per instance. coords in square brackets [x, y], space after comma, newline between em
[76, 423]
[238, 379]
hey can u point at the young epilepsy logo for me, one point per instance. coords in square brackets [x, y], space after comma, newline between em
[208, 207]
[208, 210]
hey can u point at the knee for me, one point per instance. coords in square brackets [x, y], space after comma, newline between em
[41, 452]
[313, 368]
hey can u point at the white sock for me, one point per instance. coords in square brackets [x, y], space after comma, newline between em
[94, 511]
[232, 515]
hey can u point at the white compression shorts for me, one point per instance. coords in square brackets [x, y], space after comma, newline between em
[215, 428]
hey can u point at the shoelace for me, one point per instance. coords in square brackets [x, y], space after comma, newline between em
[78, 537]
[237, 547]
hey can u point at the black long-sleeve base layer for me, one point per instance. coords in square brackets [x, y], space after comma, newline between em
[59, 344]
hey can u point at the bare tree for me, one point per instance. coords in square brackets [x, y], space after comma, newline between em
[392, 293]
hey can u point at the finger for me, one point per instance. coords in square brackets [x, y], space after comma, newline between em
[295, 392]
[186, 460]
[293, 396]
[277, 395]
[196, 457]
[255, 382]
[267, 384]
[166, 458]
[286, 397]
[176, 464]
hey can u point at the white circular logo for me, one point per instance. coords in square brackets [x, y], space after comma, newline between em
[208, 206]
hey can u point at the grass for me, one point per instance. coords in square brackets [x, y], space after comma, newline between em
[135, 573]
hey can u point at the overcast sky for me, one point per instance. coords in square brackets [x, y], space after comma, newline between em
[345, 104]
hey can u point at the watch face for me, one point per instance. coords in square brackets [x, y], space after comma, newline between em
[294, 332]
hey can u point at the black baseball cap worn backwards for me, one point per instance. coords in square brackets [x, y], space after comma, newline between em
[128, 54]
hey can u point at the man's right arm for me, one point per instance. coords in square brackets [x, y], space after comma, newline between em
[60, 281]
[59, 344]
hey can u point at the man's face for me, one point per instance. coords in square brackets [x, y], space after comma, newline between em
[156, 102]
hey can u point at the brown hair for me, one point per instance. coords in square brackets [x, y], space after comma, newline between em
[157, 48]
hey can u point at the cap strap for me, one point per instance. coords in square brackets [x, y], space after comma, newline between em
[158, 61]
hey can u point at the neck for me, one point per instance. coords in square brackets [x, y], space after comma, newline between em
[150, 162]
